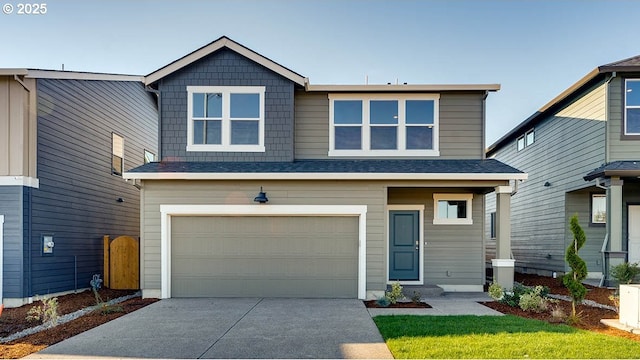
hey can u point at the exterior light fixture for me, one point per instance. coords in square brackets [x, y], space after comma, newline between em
[262, 197]
[547, 184]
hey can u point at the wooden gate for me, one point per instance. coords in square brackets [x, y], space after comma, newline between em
[121, 263]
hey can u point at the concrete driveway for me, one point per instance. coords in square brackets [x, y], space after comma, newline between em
[233, 328]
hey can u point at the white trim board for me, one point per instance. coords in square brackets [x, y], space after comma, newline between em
[168, 211]
[322, 176]
[19, 181]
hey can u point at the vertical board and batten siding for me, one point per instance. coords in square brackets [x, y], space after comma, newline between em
[17, 147]
[567, 146]
[77, 198]
[618, 147]
[372, 194]
[227, 68]
[454, 254]
[11, 206]
[460, 122]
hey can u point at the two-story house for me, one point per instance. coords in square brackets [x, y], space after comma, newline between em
[66, 138]
[582, 152]
[271, 186]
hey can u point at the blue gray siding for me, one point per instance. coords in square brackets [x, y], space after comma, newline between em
[11, 206]
[567, 146]
[227, 68]
[76, 200]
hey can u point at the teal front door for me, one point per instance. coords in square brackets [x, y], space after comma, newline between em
[404, 245]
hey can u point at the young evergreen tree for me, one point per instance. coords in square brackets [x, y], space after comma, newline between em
[573, 280]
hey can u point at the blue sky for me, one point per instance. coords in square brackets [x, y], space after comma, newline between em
[534, 49]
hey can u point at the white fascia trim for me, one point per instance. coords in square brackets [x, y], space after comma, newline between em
[215, 46]
[19, 181]
[168, 211]
[13, 71]
[323, 176]
[71, 75]
[403, 88]
[419, 208]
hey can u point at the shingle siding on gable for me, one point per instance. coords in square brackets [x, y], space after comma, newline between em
[227, 68]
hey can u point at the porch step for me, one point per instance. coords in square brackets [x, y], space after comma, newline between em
[426, 291]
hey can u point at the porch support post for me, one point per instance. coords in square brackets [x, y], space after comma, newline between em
[614, 221]
[503, 265]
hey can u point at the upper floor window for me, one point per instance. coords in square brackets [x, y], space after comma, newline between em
[225, 118]
[117, 154]
[383, 125]
[526, 140]
[632, 107]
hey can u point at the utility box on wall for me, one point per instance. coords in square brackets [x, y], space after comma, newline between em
[630, 305]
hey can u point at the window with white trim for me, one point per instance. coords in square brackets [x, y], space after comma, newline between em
[149, 157]
[632, 107]
[526, 140]
[225, 118]
[383, 124]
[452, 209]
[117, 154]
[598, 209]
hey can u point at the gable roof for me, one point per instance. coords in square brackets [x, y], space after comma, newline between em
[436, 169]
[224, 42]
[631, 64]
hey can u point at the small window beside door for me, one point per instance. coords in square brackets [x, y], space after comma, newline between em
[598, 209]
[452, 209]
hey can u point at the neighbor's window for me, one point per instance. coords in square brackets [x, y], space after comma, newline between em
[526, 140]
[632, 107]
[149, 157]
[452, 209]
[598, 208]
[225, 118]
[117, 154]
[383, 125]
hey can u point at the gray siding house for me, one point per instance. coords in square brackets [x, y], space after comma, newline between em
[582, 154]
[270, 186]
[65, 140]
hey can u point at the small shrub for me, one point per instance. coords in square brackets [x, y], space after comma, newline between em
[415, 298]
[533, 301]
[395, 294]
[47, 313]
[615, 300]
[512, 298]
[495, 291]
[383, 301]
[625, 273]
[574, 319]
[558, 315]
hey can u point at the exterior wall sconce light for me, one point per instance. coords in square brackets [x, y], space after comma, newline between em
[547, 184]
[120, 200]
[262, 197]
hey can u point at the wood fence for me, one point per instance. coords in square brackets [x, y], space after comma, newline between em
[121, 263]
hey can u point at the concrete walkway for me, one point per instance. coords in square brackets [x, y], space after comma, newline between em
[232, 328]
[459, 303]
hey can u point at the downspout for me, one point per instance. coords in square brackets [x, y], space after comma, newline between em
[159, 98]
[607, 143]
[484, 124]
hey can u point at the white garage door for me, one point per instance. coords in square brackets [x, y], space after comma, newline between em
[264, 256]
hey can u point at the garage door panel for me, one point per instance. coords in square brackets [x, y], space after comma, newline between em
[265, 256]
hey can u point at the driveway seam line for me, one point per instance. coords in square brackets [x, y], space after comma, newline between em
[229, 329]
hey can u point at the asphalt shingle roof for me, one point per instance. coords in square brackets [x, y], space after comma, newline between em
[486, 166]
[615, 168]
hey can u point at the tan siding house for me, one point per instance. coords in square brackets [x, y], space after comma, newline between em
[270, 186]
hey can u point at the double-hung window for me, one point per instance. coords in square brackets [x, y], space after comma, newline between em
[383, 125]
[225, 118]
[632, 107]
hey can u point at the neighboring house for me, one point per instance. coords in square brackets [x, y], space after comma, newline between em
[366, 184]
[66, 138]
[582, 154]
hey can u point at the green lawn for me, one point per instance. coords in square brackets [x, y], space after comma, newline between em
[496, 337]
